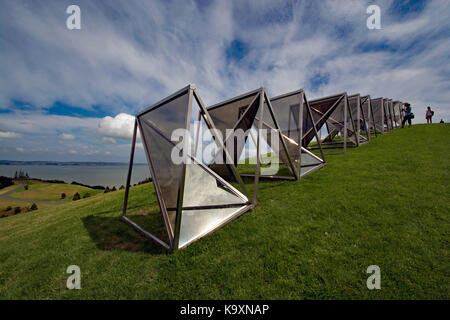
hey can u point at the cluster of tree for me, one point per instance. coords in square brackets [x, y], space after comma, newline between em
[145, 181]
[110, 190]
[5, 182]
[18, 210]
[76, 196]
[88, 186]
[21, 175]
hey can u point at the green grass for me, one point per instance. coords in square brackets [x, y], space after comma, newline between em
[42, 191]
[384, 203]
[38, 190]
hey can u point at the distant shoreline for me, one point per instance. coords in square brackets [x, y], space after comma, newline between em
[63, 163]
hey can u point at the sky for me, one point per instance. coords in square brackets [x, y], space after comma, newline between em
[71, 95]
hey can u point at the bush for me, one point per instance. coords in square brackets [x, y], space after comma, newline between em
[33, 207]
[114, 189]
[121, 187]
[76, 196]
[17, 210]
[63, 195]
[26, 187]
[8, 208]
[5, 182]
[107, 190]
[86, 195]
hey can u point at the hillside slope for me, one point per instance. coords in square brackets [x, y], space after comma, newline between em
[385, 203]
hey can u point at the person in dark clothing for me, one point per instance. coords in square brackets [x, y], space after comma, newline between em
[408, 114]
[429, 115]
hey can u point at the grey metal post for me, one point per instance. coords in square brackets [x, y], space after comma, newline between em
[130, 169]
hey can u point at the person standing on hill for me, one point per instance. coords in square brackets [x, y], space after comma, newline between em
[408, 114]
[429, 115]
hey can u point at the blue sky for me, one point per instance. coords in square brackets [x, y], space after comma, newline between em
[70, 94]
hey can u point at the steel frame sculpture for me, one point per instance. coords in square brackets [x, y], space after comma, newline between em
[360, 118]
[387, 116]
[192, 198]
[366, 104]
[390, 109]
[379, 114]
[398, 117]
[243, 112]
[295, 118]
[334, 112]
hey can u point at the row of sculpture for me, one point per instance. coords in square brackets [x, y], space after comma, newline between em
[198, 196]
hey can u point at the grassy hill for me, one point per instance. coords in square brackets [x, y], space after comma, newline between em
[385, 203]
[39, 192]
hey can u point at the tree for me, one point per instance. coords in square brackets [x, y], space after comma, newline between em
[107, 190]
[33, 207]
[114, 189]
[63, 195]
[121, 187]
[26, 187]
[76, 196]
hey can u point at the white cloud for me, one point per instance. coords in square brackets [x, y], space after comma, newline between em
[20, 149]
[9, 135]
[121, 126]
[125, 65]
[73, 151]
[109, 140]
[67, 136]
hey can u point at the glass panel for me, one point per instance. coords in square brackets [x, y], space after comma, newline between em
[167, 173]
[377, 109]
[319, 109]
[201, 139]
[287, 112]
[170, 116]
[226, 116]
[201, 188]
[196, 223]
[157, 127]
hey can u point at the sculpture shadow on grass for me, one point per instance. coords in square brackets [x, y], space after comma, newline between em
[111, 233]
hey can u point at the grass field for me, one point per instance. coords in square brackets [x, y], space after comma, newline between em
[385, 203]
[41, 191]
[38, 190]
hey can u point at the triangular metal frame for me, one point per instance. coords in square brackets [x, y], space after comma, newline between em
[366, 100]
[397, 106]
[174, 233]
[324, 118]
[303, 105]
[260, 97]
[379, 114]
[360, 116]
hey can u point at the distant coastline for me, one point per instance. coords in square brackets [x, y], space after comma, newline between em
[87, 173]
[63, 163]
